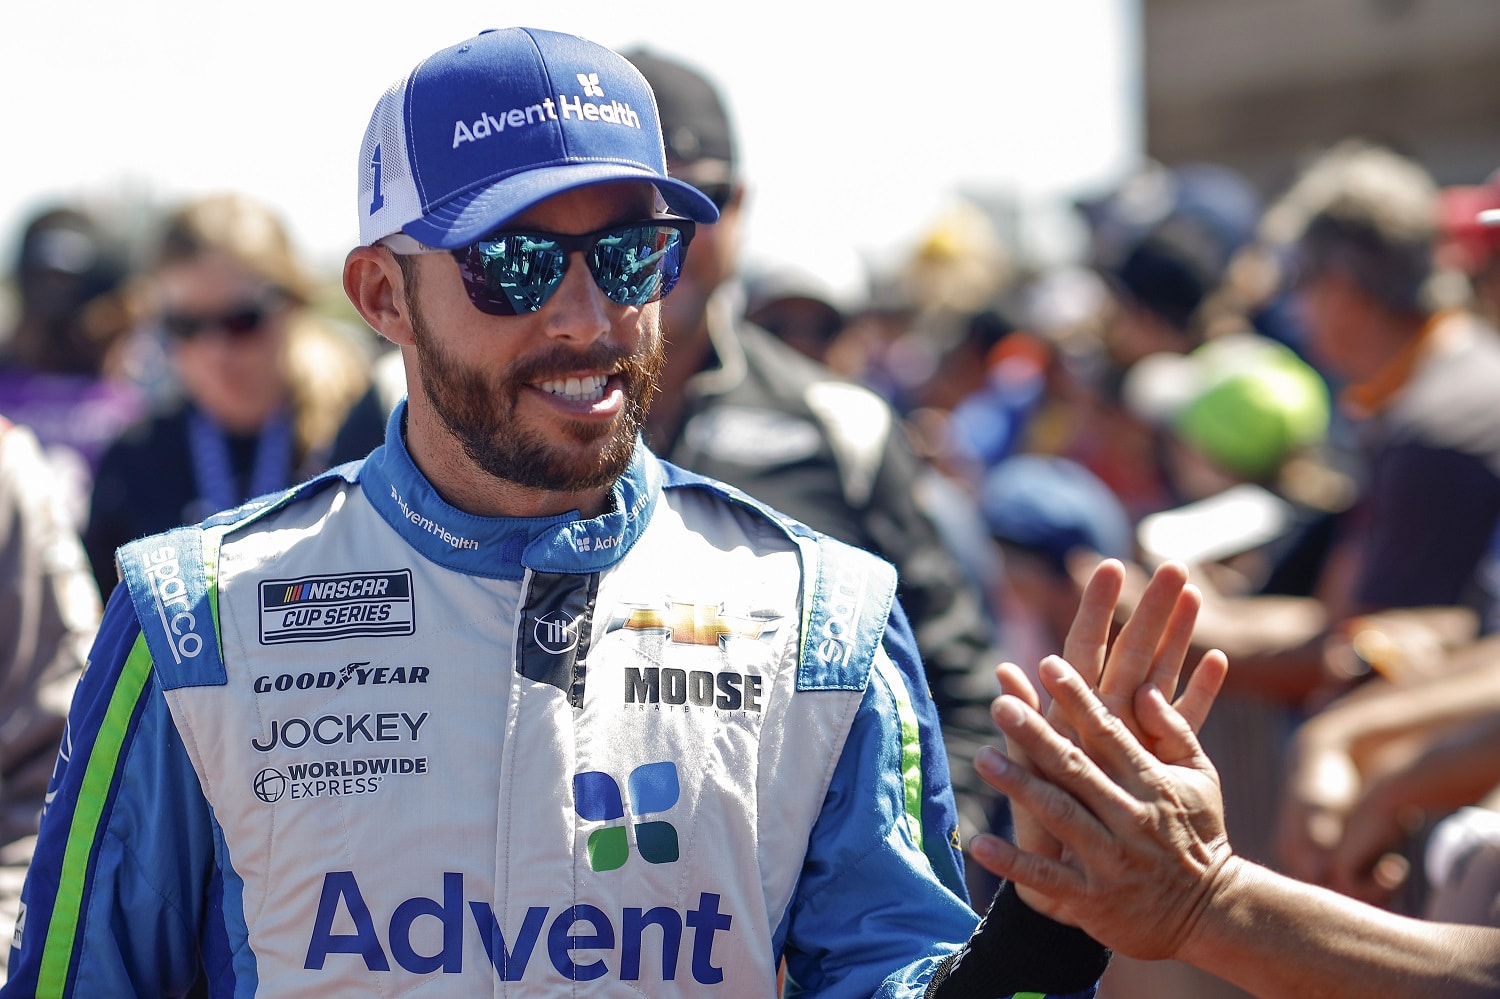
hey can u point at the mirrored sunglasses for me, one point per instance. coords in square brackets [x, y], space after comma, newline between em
[512, 273]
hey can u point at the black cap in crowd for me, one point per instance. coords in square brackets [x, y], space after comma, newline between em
[694, 122]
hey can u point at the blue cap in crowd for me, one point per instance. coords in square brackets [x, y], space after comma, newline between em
[1051, 506]
[483, 130]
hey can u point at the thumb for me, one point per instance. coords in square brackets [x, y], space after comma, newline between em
[1172, 737]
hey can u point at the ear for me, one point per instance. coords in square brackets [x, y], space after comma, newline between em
[374, 283]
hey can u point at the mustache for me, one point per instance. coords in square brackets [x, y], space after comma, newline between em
[561, 361]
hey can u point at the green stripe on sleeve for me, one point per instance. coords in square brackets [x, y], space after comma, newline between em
[911, 746]
[103, 763]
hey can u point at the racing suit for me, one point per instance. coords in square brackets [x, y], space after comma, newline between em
[350, 740]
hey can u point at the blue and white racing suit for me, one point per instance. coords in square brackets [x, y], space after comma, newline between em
[350, 740]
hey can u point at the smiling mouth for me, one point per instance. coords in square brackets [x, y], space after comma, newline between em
[589, 388]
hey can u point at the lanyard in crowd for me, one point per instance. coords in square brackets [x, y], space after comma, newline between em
[214, 471]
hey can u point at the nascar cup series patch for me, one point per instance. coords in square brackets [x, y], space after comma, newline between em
[328, 608]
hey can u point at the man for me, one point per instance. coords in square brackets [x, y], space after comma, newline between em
[744, 407]
[513, 701]
[1360, 226]
[66, 370]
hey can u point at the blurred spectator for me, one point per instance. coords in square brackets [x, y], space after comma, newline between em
[264, 385]
[363, 429]
[49, 610]
[1471, 247]
[1051, 517]
[1165, 242]
[1370, 768]
[1244, 419]
[807, 304]
[740, 405]
[64, 368]
[1360, 226]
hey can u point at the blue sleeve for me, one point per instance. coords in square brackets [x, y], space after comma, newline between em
[879, 909]
[117, 894]
[940, 838]
[868, 900]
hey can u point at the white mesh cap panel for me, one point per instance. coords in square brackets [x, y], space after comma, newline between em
[388, 196]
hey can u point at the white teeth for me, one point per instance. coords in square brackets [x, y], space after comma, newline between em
[587, 389]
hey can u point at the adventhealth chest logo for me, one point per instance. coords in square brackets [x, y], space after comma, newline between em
[491, 122]
[328, 608]
[654, 788]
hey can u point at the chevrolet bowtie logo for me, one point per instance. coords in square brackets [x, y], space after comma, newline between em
[694, 624]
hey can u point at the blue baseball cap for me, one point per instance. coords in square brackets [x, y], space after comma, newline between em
[1052, 505]
[484, 129]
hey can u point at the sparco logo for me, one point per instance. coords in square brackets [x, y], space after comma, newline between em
[362, 674]
[169, 593]
[328, 608]
[835, 639]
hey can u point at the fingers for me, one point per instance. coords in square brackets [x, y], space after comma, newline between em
[1174, 741]
[1049, 799]
[1177, 637]
[1202, 689]
[1104, 736]
[1014, 681]
[1134, 657]
[1088, 638]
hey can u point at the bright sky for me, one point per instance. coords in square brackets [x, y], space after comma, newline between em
[856, 127]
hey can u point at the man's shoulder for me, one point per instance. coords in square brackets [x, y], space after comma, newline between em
[784, 372]
[1449, 403]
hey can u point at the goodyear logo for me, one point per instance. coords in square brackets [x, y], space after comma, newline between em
[329, 608]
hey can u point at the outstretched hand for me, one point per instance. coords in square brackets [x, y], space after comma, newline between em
[1141, 832]
[1149, 651]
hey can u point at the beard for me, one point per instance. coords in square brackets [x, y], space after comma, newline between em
[480, 408]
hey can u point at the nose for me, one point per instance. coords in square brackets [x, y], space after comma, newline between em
[578, 310]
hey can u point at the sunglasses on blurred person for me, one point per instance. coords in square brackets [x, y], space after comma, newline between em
[240, 322]
[516, 272]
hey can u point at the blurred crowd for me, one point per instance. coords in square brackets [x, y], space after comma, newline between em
[1293, 392]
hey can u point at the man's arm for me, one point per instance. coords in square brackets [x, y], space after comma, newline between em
[1150, 871]
[877, 911]
[1333, 772]
[119, 887]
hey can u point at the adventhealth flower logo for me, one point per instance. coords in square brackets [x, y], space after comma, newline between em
[653, 789]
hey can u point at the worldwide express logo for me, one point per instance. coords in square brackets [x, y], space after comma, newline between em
[654, 789]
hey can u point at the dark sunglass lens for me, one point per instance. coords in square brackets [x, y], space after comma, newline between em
[180, 327]
[512, 275]
[719, 194]
[637, 264]
[243, 322]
